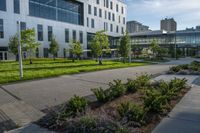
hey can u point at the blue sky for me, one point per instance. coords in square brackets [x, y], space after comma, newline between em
[150, 12]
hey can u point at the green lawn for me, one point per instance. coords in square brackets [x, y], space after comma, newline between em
[41, 68]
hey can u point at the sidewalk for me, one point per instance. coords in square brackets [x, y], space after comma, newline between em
[185, 117]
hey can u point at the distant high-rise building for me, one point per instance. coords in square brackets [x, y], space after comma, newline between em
[168, 24]
[134, 26]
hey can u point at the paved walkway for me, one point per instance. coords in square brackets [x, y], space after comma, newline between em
[185, 117]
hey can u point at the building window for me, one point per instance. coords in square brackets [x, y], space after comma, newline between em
[111, 5]
[66, 35]
[117, 29]
[122, 10]
[74, 35]
[92, 23]
[119, 19]
[111, 27]
[22, 26]
[122, 30]
[16, 6]
[88, 22]
[107, 3]
[105, 26]
[104, 3]
[89, 9]
[3, 5]
[109, 15]
[1, 29]
[50, 33]
[81, 37]
[113, 17]
[124, 20]
[60, 10]
[95, 11]
[117, 7]
[100, 13]
[105, 14]
[97, 1]
[40, 32]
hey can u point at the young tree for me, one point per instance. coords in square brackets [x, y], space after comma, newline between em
[54, 47]
[76, 50]
[154, 46]
[99, 45]
[13, 45]
[29, 41]
[125, 47]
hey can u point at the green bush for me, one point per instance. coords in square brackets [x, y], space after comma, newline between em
[178, 84]
[117, 89]
[76, 105]
[131, 85]
[166, 90]
[154, 101]
[142, 81]
[132, 112]
[101, 95]
[175, 69]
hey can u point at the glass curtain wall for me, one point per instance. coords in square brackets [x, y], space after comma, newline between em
[69, 11]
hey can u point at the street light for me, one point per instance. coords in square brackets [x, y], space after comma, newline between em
[19, 50]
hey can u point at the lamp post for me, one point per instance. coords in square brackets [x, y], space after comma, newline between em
[19, 51]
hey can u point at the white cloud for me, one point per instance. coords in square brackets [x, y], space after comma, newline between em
[186, 12]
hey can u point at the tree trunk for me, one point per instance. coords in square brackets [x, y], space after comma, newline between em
[100, 60]
[54, 57]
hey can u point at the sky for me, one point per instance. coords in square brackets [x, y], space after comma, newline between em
[150, 12]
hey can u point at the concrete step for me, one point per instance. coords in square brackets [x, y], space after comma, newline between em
[19, 113]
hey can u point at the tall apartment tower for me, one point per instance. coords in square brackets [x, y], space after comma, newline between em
[168, 24]
[67, 20]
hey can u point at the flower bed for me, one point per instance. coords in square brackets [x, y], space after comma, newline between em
[186, 69]
[136, 107]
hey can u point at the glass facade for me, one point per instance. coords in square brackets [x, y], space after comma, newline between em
[1, 29]
[16, 6]
[61, 10]
[3, 5]
[40, 32]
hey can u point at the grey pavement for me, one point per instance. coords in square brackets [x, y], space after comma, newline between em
[45, 93]
[185, 117]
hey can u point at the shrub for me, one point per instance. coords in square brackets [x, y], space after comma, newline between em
[132, 112]
[175, 69]
[166, 90]
[178, 84]
[142, 81]
[131, 85]
[101, 95]
[76, 105]
[154, 101]
[117, 89]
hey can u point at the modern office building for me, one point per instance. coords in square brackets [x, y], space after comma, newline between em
[188, 41]
[135, 26]
[168, 24]
[65, 19]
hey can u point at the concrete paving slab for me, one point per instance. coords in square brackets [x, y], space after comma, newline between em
[30, 128]
[169, 125]
[46, 93]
